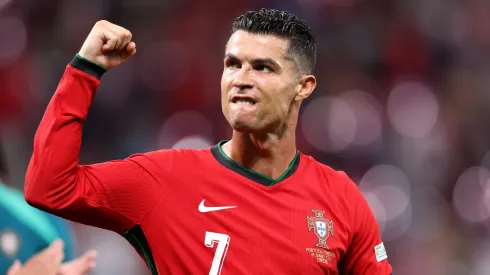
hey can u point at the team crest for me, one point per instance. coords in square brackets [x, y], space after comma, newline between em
[322, 227]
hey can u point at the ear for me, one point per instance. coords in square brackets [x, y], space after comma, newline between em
[305, 87]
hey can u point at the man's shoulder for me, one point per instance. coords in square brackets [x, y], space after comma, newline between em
[171, 152]
[335, 181]
[176, 153]
[167, 158]
[325, 169]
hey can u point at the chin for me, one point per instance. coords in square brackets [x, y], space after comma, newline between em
[243, 126]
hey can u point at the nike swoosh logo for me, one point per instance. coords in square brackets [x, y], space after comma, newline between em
[203, 209]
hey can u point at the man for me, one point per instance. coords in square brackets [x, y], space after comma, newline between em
[37, 238]
[250, 205]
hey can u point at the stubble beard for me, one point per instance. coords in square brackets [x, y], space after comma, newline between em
[242, 125]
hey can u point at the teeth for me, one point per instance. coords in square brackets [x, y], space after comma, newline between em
[244, 101]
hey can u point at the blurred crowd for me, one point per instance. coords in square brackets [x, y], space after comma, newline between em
[401, 106]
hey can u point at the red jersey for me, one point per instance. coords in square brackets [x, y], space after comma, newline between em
[198, 211]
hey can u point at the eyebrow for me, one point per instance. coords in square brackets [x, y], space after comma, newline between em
[268, 61]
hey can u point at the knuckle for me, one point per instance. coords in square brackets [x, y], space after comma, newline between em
[101, 22]
[121, 35]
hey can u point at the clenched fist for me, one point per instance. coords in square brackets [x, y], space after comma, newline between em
[108, 45]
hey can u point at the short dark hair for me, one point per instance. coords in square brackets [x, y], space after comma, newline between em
[284, 25]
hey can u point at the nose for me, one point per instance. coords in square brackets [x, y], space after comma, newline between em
[242, 79]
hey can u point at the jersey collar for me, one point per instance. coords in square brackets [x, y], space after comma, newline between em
[227, 162]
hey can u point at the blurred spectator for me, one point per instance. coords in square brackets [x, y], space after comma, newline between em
[25, 231]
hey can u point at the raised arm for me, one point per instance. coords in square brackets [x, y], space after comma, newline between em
[114, 195]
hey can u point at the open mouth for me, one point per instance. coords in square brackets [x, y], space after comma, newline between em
[243, 100]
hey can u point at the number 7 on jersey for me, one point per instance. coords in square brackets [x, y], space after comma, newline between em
[219, 256]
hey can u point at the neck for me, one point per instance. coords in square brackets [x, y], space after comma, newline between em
[269, 154]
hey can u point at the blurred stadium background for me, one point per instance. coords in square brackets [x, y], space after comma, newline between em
[402, 106]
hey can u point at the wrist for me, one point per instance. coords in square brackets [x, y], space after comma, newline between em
[90, 61]
[83, 64]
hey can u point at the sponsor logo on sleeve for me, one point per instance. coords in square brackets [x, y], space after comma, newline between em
[380, 252]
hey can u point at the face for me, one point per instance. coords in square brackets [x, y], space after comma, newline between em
[259, 82]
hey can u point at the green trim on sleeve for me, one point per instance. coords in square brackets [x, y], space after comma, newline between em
[81, 57]
[88, 66]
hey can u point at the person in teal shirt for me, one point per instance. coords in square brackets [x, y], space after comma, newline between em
[26, 231]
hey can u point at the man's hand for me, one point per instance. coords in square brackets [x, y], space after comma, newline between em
[79, 266]
[108, 45]
[46, 262]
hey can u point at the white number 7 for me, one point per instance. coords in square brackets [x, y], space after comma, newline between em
[219, 256]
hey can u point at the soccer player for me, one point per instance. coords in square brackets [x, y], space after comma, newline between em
[39, 240]
[249, 205]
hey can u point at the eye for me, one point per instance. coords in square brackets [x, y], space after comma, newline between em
[232, 63]
[263, 68]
